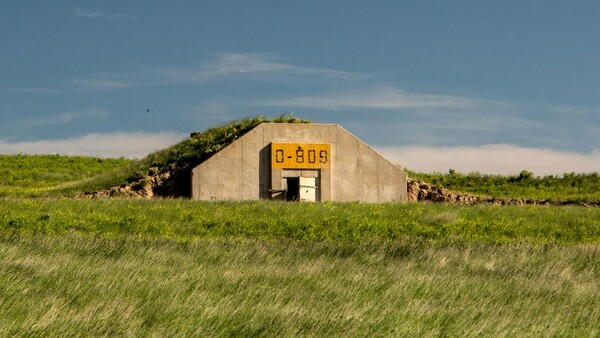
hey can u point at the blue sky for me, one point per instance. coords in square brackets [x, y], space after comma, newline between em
[489, 86]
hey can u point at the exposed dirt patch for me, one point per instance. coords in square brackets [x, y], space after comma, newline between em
[175, 183]
[422, 191]
[168, 183]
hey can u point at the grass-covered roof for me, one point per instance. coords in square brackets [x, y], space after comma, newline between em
[178, 159]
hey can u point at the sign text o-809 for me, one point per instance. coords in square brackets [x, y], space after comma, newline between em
[300, 155]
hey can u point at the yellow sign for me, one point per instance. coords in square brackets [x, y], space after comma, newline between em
[300, 155]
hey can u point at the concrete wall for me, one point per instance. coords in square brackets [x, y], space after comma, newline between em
[242, 170]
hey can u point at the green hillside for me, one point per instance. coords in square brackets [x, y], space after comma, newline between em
[35, 175]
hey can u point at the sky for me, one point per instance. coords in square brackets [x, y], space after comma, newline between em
[489, 86]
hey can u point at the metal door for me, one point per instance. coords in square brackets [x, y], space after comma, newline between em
[308, 189]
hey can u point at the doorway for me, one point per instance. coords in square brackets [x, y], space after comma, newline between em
[302, 189]
[293, 188]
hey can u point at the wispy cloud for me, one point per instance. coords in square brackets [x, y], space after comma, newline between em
[392, 110]
[382, 97]
[373, 107]
[64, 118]
[95, 14]
[235, 64]
[38, 90]
[226, 65]
[493, 159]
[118, 144]
[569, 111]
[223, 66]
[102, 83]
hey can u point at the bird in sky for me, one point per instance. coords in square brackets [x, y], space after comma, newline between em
[148, 111]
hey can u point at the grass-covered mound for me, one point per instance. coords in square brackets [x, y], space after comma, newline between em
[167, 172]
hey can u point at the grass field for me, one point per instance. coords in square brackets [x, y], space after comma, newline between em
[339, 222]
[176, 267]
[73, 285]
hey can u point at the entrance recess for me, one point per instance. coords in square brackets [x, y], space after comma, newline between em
[293, 188]
[302, 189]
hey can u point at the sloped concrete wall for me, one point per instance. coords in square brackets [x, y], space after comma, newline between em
[242, 171]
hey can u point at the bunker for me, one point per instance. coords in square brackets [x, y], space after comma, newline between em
[299, 162]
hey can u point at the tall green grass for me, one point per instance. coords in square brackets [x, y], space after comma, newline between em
[173, 267]
[339, 222]
[79, 285]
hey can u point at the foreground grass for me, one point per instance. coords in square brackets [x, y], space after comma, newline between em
[340, 222]
[185, 268]
[75, 284]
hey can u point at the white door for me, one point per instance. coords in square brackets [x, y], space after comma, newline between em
[308, 189]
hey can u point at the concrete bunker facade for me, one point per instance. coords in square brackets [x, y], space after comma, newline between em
[298, 161]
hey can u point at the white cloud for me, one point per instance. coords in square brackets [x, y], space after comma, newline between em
[94, 14]
[391, 110]
[569, 111]
[102, 83]
[224, 65]
[117, 144]
[232, 64]
[227, 64]
[382, 97]
[64, 118]
[492, 159]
